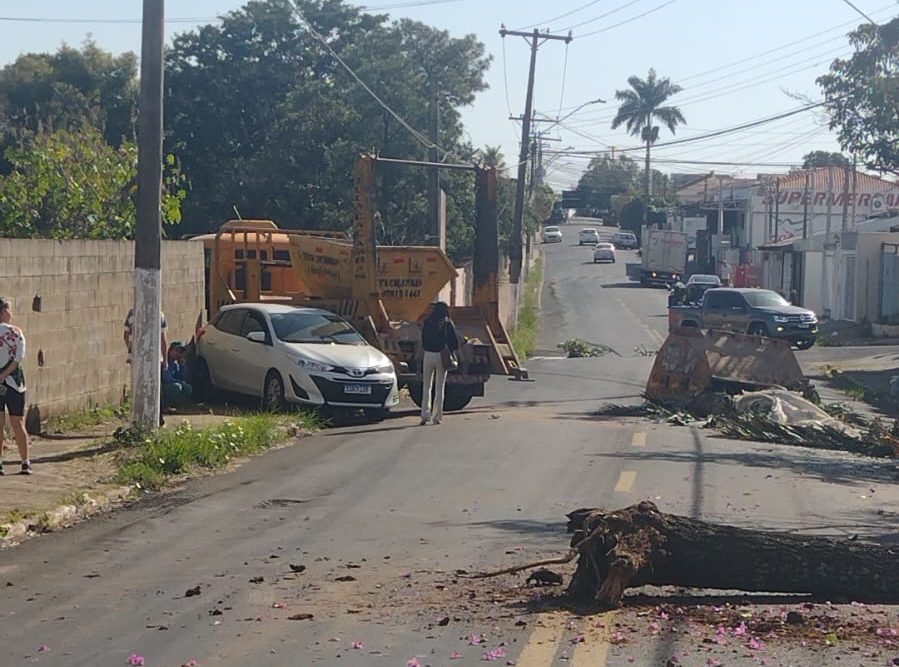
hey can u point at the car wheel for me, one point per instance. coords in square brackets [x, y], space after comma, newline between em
[201, 381]
[596, 261]
[805, 343]
[273, 392]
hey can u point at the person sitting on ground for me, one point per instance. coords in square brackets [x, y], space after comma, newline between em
[176, 390]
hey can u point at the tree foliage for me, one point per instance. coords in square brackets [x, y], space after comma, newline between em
[862, 95]
[824, 159]
[73, 184]
[67, 90]
[606, 176]
[264, 118]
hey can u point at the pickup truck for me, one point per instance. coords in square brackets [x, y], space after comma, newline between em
[757, 312]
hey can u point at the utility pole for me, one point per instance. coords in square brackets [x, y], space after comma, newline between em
[777, 209]
[845, 199]
[515, 252]
[146, 350]
[432, 236]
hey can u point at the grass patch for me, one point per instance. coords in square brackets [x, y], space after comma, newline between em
[855, 392]
[85, 419]
[524, 338]
[150, 458]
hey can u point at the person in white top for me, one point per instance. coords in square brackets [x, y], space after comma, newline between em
[12, 385]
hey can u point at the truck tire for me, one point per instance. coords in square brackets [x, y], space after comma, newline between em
[757, 329]
[805, 343]
[455, 397]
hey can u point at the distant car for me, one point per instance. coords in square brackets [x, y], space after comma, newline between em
[625, 240]
[704, 279]
[588, 236]
[552, 235]
[605, 252]
[285, 354]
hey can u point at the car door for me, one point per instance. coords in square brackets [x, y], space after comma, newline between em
[738, 312]
[713, 310]
[220, 348]
[255, 359]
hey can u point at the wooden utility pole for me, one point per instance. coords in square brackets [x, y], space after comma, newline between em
[146, 350]
[535, 38]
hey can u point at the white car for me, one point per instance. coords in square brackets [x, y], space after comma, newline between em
[289, 355]
[625, 240]
[552, 235]
[704, 279]
[588, 236]
[605, 252]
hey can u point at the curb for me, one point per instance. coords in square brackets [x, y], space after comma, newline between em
[63, 516]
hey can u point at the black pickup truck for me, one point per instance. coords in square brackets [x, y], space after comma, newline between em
[754, 311]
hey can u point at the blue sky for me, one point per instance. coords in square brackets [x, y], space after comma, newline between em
[735, 60]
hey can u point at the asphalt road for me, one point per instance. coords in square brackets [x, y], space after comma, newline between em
[400, 508]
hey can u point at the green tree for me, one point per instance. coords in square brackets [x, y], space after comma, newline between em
[263, 117]
[493, 157]
[862, 95]
[606, 176]
[824, 159]
[67, 90]
[641, 106]
[73, 184]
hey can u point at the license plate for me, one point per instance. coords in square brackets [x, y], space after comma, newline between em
[357, 389]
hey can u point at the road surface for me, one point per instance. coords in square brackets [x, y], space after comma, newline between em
[380, 519]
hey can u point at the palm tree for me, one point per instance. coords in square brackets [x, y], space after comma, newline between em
[641, 105]
[493, 157]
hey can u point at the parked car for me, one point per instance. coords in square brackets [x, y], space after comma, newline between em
[289, 355]
[605, 252]
[588, 236]
[552, 234]
[625, 240]
[758, 312]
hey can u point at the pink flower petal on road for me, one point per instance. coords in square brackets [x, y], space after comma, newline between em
[577, 639]
[455, 655]
[279, 605]
[136, 659]
[711, 662]
[494, 654]
[741, 630]
[474, 640]
[413, 662]
[359, 645]
[43, 649]
[190, 663]
[617, 637]
[655, 628]
[756, 644]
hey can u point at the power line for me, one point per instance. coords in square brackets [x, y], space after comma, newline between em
[564, 75]
[602, 16]
[560, 16]
[36, 19]
[421, 138]
[630, 20]
[870, 20]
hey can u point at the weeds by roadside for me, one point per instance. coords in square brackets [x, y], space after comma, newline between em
[85, 419]
[149, 458]
[524, 338]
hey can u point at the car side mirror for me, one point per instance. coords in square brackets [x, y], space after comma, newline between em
[256, 336]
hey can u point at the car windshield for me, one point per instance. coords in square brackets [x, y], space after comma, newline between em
[306, 327]
[765, 299]
[588, 231]
[605, 246]
[699, 278]
[551, 229]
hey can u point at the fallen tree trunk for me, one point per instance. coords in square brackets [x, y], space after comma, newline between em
[640, 545]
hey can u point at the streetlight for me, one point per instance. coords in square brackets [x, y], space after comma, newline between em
[598, 100]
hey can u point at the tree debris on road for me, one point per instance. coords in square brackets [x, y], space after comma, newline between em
[576, 348]
[639, 545]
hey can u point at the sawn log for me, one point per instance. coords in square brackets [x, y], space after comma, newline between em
[640, 545]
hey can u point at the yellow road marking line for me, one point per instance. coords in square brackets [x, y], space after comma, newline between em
[626, 481]
[543, 644]
[638, 440]
[594, 651]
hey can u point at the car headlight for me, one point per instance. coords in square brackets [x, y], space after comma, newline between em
[310, 365]
[780, 319]
[386, 368]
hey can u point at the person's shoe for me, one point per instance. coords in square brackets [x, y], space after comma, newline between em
[437, 420]
[423, 422]
[1, 469]
[26, 469]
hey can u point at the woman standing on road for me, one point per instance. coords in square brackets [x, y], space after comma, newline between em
[438, 338]
[12, 385]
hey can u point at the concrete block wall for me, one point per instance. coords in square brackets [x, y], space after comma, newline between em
[75, 355]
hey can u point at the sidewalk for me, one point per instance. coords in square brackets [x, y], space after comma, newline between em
[867, 369]
[68, 465]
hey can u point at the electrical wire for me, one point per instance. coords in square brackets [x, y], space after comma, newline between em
[419, 136]
[602, 16]
[34, 19]
[564, 75]
[560, 16]
[870, 20]
[626, 21]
